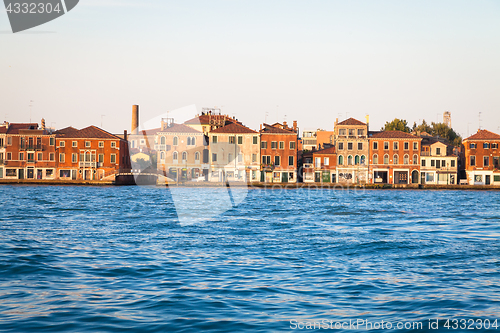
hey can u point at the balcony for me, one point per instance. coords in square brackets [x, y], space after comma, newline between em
[425, 153]
[31, 147]
[308, 165]
[88, 165]
[31, 160]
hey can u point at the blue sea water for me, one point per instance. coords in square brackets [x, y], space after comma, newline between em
[116, 259]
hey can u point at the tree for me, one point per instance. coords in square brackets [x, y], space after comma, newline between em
[396, 125]
[439, 129]
[424, 127]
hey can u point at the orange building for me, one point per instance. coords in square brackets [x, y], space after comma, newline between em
[394, 158]
[320, 166]
[279, 153]
[27, 152]
[482, 158]
[90, 154]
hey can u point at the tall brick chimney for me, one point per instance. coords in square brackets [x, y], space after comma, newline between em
[135, 119]
[295, 125]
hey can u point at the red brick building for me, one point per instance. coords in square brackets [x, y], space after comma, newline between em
[394, 158]
[90, 154]
[27, 152]
[482, 158]
[320, 166]
[279, 153]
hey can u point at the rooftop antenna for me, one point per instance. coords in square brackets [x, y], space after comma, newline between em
[102, 115]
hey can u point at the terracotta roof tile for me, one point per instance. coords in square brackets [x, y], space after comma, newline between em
[179, 128]
[351, 121]
[16, 127]
[393, 135]
[91, 132]
[273, 129]
[233, 128]
[206, 118]
[330, 150]
[484, 135]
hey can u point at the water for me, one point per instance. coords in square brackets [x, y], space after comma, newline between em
[117, 259]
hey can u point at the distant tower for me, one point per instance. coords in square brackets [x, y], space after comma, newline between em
[447, 118]
[135, 119]
[43, 124]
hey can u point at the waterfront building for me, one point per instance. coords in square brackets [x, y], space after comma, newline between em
[209, 120]
[320, 166]
[90, 154]
[234, 153]
[278, 151]
[482, 158]
[438, 163]
[27, 151]
[394, 158]
[351, 143]
[182, 152]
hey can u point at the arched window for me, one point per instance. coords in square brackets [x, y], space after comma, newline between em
[395, 159]
[406, 159]
[162, 155]
[363, 159]
[386, 159]
[175, 157]
[87, 156]
[189, 141]
[193, 141]
[375, 159]
[176, 141]
[356, 160]
[341, 160]
[415, 159]
[184, 156]
[197, 156]
[349, 160]
[162, 140]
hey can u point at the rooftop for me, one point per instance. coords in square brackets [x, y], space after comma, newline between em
[234, 128]
[91, 132]
[178, 128]
[484, 135]
[393, 135]
[352, 121]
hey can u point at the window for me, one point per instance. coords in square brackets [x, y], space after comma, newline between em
[282, 144]
[214, 157]
[386, 159]
[415, 159]
[361, 132]
[113, 144]
[438, 151]
[495, 161]
[326, 161]
[184, 156]
[360, 145]
[395, 145]
[113, 158]
[423, 163]
[429, 177]
[472, 146]
[87, 144]
[407, 145]
[101, 158]
[438, 164]
[349, 146]
[193, 141]
[255, 140]
[1, 142]
[349, 160]
[52, 157]
[375, 159]
[433, 163]
[486, 161]
[74, 144]
[61, 158]
[375, 145]
[189, 141]
[101, 144]
[406, 159]
[254, 158]
[452, 163]
[494, 146]
[240, 140]
[415, 145]
[62, 143]
[9, 156]
[276, 160]
[74, 158]
[363, 159]
[386, 145]
[341, 160]
[341, 146]
[266, 159]
[52, 141]
[162, 140]
[197, 157]
[342, 131]
[175, 156]
[496, 178]
[64, 173]
[473, 160]
[21, 156]
[240, 158]
[292, 145]
[231, 140]
[274, 144]
[478, 178]
[356, 160]
[263, 144]
[175, 141]
[290, 160]
[352, 132]
[486, 145]
[214, 139]
[31, 157]
[317, 162]
[395, 159]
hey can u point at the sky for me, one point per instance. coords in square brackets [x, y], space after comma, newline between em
[260, 61]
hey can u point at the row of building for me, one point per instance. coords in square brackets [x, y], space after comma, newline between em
[214, 147]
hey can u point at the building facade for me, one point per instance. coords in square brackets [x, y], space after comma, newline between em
[320, 166]
[351, 143]
[278, 151]
[438, 164]
[482, 158]
[394, 158]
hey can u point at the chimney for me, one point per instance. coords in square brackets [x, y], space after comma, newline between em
[125, 135]
[285, 126]
[162, 125]
[367, 120]
[295, 125]
[135, 119]
[43, 124]
[261, 127]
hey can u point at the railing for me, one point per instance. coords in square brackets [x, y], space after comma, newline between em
[160, 147]
[31, 147]
[308, 165]
[88, 164]
[425, 153]
[31, 161]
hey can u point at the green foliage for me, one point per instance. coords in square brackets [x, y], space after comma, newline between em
[439, 129]
[396, 125]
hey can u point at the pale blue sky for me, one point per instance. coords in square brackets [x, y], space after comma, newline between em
[315, 60]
